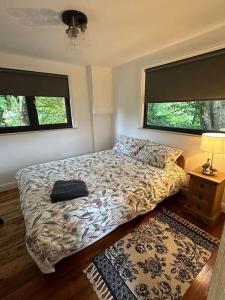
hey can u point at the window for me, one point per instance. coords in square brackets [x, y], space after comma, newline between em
[41, 101]
[187, 95]
[192, 116]
[13, 111]
[21, 113]
[51, 110]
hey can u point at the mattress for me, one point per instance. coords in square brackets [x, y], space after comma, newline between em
[120, 188]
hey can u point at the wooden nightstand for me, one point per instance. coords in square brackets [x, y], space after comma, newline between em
[205, 195]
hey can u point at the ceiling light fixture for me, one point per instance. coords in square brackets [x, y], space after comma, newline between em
[77, 23]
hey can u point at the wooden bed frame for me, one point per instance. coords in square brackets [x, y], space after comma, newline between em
[181, 161]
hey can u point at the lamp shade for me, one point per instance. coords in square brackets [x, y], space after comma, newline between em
[213, 143]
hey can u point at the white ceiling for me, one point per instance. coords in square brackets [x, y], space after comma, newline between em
[118, 30]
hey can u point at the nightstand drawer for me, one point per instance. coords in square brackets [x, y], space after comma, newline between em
[202, 189]
[198, 205]
[203, 195]
[201, 184]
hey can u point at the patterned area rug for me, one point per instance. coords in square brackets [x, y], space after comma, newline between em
[157, 261]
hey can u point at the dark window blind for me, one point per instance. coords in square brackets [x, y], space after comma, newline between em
[198, 78]
[28, 83]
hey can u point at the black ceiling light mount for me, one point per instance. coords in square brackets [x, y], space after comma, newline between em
[76, 22]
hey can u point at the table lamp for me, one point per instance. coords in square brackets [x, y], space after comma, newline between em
[213, 143]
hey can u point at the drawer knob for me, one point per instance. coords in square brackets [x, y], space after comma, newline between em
[202, 185]
[200, 196]
[199, 207]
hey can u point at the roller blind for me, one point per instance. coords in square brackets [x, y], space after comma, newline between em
[27, 83]
[198, 78]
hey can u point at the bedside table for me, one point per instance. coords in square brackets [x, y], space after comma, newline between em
[205, 195]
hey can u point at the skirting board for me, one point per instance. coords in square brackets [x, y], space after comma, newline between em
[8, 186]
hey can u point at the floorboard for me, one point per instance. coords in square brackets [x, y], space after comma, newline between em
[21, 279]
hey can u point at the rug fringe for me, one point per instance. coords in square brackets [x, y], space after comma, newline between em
[196, 229]
[98, 283]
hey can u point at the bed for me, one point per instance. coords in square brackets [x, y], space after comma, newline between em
[120, 188]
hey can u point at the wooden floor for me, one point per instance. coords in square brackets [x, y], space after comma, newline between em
[21, 279]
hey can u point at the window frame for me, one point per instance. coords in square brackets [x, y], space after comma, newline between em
[172, 129]
[33, 119]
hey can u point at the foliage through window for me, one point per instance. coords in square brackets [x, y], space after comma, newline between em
[22, 113]
[192, 117]
[51, 110]
[13, 111]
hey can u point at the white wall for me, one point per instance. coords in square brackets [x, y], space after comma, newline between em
[128, 98]
[23, 149]
[101, 98]
[103, 131]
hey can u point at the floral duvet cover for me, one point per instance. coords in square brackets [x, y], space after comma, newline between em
[120, 188]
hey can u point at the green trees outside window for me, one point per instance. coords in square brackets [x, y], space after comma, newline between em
[21, 113]
[194, 115]
[13, 111]
[51, 110]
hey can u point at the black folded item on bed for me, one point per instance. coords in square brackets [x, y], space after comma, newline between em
[68, 189]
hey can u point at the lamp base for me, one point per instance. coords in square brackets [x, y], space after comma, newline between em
[209, 173]
[208, 169]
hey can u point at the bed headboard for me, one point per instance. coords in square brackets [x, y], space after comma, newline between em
[181, 161]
